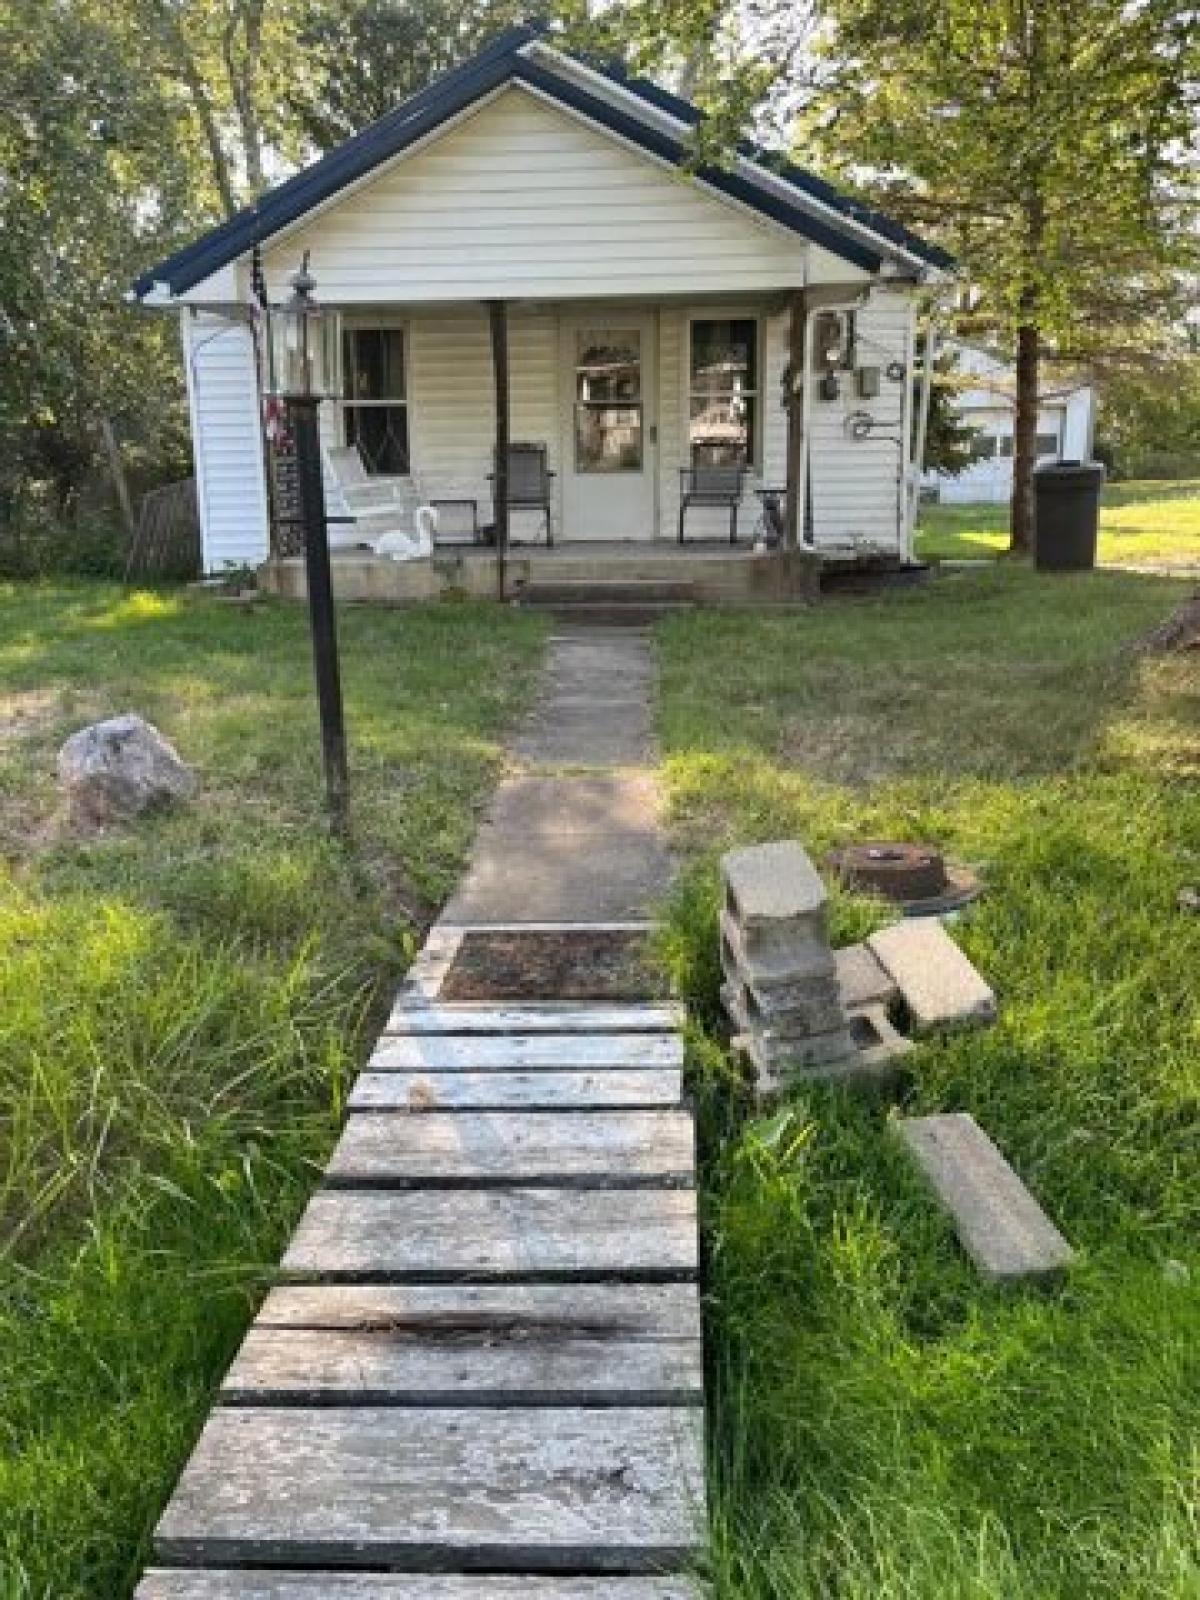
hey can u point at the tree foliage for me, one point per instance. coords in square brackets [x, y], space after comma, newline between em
[950, 441]
[92, 177]
[366, 56]
[125, 130]
[1051, 145]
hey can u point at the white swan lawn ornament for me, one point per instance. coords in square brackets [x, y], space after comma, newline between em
[401, 545]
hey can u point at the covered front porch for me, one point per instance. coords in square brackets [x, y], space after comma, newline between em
[628, 421]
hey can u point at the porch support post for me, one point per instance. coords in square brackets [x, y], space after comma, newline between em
[797, 378]
[498, 320]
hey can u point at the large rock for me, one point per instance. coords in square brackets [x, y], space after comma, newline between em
[120, 768]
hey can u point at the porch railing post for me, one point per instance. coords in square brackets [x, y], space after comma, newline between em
[797, 378]
[498, 320]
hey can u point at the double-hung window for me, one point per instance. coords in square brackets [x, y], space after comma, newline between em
[723, 392]
[375, 397]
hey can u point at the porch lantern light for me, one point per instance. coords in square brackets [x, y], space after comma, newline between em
[303, 344]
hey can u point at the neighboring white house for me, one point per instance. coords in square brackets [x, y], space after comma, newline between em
[651, 306]
[1065, 428]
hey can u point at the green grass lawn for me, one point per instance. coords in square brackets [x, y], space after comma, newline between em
[1158, 522]
[182, 1003]
[885, 1424]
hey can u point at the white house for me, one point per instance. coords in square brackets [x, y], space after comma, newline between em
[652, 307]
[1065, 428]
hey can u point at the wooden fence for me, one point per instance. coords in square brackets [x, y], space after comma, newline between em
[167, 541]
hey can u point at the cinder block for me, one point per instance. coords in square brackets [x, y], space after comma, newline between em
[879, 1044]
[771, 884]
[940, 987]
[1002, 1228]
[862, 980]
[797, 958]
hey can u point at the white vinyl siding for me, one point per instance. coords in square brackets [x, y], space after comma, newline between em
[522, 199]
[452, 425]
[222, 387]
[855, 483]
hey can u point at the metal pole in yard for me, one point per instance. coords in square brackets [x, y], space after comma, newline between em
[498, 320]
[302, 414]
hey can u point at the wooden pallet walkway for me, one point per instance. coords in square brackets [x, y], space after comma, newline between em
[482, 1377]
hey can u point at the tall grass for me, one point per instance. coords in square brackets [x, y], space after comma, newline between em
[884, 1424]
[181, 1006]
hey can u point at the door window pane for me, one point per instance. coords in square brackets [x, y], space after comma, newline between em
[723, 386]
[608, 400]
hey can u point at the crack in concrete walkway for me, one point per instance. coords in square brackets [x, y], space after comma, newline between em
[574, 835]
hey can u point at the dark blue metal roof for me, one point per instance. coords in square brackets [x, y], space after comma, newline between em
[499, 63]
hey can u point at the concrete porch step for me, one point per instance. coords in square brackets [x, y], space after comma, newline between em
[614, 602]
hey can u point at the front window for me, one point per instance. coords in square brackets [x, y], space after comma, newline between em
[723, 392]
[375, 403]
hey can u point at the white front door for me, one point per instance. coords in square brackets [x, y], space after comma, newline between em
[608, 454]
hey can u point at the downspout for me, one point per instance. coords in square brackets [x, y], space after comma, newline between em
[918, 456]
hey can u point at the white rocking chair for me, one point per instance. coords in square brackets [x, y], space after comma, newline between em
[388, 514]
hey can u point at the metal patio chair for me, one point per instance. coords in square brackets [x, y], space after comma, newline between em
[706, 485]
[529, 482]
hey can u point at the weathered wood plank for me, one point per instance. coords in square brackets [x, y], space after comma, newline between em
[526, 1053]
[440, 1234]
[276, 1367]
[588, 1310]
[245, 1585]
[1001, 1226]
[505, 1491]
[515, 1091]
[414, 1015]
[612, 1149]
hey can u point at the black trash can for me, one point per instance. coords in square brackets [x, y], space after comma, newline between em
[1068, 512]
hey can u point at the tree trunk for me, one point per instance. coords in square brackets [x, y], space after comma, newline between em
[243, 86]
[183, 63]
[116, 471]
[1023, 526]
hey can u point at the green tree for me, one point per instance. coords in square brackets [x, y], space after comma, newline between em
[950, 442]
[1149, 422]
[1049, 144]
[93, 182]
[364, 57]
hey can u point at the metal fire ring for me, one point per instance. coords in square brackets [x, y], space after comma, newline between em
[913, 876]
[899, 871]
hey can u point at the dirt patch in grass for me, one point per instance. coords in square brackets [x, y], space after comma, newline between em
[608, 964]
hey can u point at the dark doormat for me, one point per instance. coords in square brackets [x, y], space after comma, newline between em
[607, 964]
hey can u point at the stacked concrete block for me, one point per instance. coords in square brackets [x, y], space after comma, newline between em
[781, 986]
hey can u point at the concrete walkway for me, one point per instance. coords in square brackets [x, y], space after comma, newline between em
[573, 835]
